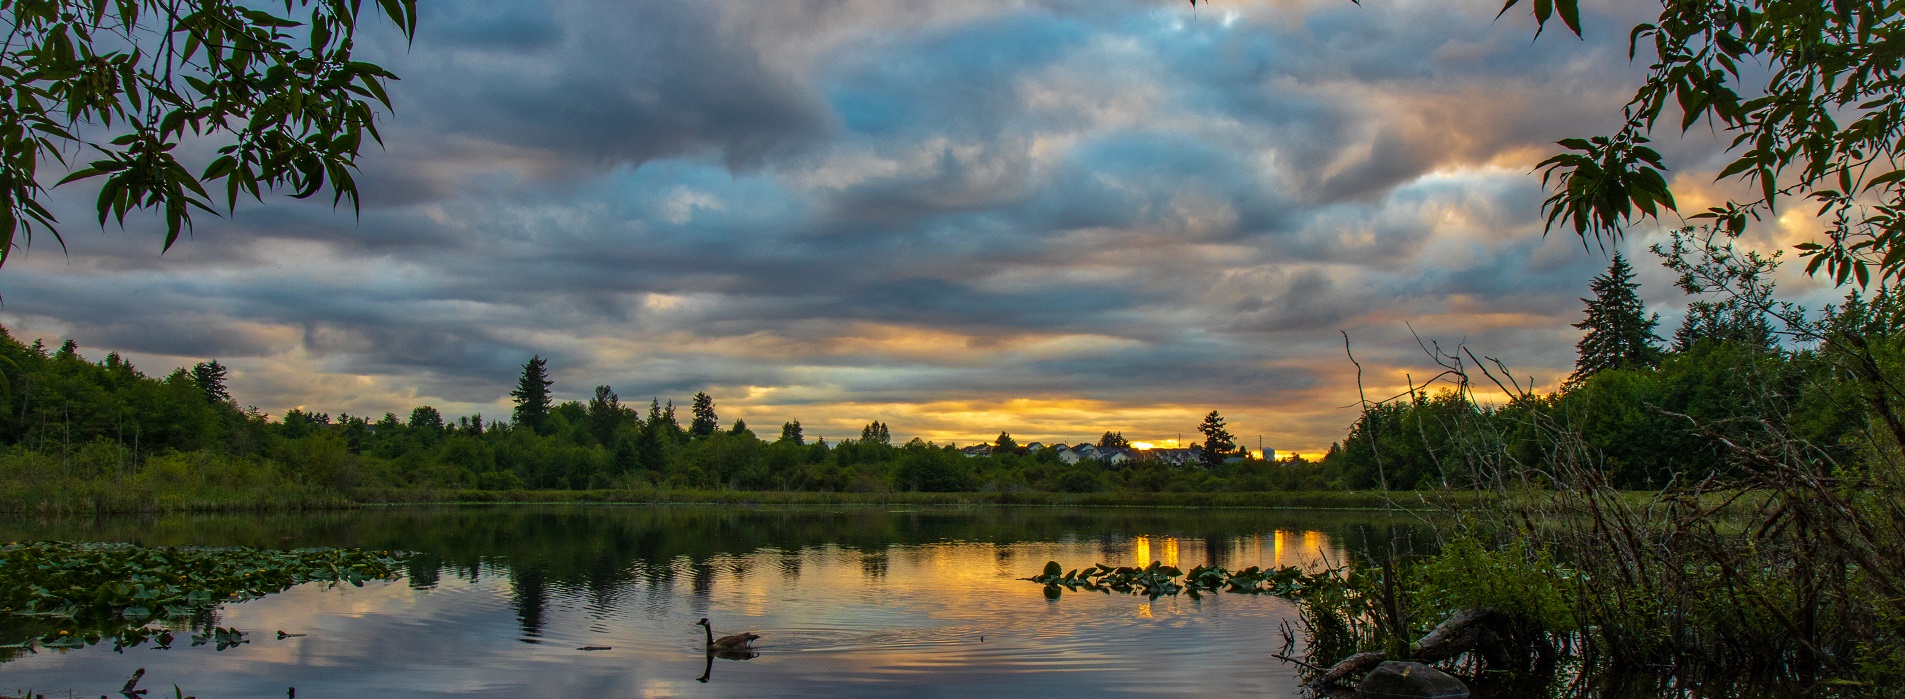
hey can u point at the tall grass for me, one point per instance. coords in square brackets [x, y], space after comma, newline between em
[1785, 569]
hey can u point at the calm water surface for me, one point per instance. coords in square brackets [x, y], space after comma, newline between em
[849, 601]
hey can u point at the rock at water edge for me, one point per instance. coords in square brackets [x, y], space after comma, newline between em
[1397, 679]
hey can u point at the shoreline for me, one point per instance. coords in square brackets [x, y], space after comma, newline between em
[1348, 501]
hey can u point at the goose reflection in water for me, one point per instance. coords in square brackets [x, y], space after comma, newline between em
[738, 654]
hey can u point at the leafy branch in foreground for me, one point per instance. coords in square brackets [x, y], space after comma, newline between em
[1827, 124]
[77, 593]
[133, 79]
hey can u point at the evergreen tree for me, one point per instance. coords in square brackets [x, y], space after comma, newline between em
[1727, 321]
[532, 395]
[1218, 442]
[210, 377]
[877, 433]
[790, 432]
[1004, 444]
[739, 428]
[670, 427]
[650, 453]
[1620, 334]
[605, 415]
[704, 422]
[1113, 440]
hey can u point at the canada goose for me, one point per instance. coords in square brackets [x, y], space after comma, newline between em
[739, 641]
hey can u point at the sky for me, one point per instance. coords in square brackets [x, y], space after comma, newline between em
[1054, 218]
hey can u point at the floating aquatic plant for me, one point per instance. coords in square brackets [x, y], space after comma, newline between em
[68, 595]
[1159, 580]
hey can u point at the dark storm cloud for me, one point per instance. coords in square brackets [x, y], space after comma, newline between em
[602, 84]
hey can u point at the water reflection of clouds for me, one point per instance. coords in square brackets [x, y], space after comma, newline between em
[837, 621]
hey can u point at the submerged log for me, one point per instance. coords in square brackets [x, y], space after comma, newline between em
[1353, 666]
[1483, 631]
[1480, 630]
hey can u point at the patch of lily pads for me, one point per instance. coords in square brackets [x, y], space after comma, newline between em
[1158, 580]
[57, 594]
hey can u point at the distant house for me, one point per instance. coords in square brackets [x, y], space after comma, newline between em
[977, 450]
[1173, 457]
[1090, 452]
[1034, 447]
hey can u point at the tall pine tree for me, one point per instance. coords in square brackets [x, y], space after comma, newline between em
[1620, 334]
[532, 395]
[210, 377]
[1218, 442]
[704, 422]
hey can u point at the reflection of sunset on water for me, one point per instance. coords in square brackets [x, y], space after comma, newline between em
[941, 605]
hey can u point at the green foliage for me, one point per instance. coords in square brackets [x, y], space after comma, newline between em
[1644, 427]
[1004, 444]
[1809, 93]
[77, 435]
[1339, 606]
[132, 80]
[1517, 580]
[76, 593]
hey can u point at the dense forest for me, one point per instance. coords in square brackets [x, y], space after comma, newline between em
[1646, 413]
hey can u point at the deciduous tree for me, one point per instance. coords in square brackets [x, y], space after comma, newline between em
[1004, 444]
[132, 80]
[1807, 91]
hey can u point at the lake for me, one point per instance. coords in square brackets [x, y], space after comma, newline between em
[849, 601]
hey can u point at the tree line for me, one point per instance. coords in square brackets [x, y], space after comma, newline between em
[1648, 411]
[73, 419]
[1645, 408]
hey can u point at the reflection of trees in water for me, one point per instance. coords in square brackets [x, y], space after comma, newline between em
[1217, 550]
[530, 598]
[602, 552]
[874, 565]
[702, 575]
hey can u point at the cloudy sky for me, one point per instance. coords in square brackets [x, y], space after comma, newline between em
[1051, 217]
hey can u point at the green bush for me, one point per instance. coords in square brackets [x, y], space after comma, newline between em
[1523, 582]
